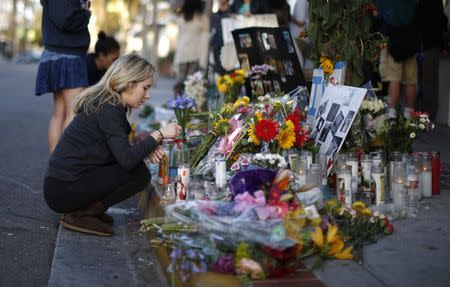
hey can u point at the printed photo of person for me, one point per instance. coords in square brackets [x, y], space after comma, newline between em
[333, 112]
[245, 40]
[325, 131]
[245, 63]
[322, 109]
[334, 146]
[347, 122]
[348, 99]
[316, 130]
[272, 43]
[281, 70]
[288, 67]
[337, 123]
[289, 43]
[265, 41]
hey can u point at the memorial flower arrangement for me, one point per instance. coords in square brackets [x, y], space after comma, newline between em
[182, 106]
[403, 132]
[207, 235]
[230, 84]
[195, 87]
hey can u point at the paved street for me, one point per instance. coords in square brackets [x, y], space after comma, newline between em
[27, 227]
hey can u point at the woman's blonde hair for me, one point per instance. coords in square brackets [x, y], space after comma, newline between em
[126, 70]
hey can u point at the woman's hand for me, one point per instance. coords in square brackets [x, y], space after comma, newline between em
[156, 155]
[172, 130]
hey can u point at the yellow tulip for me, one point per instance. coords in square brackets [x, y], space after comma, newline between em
[317, 237]
[222, 88]
[345, 254]
[336, 247]
[367, 212]
[332, 233]
[358, 206]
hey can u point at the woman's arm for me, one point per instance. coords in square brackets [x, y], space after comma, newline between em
[113, 123]
[68, 15]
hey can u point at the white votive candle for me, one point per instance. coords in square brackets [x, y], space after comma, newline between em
[427, 183]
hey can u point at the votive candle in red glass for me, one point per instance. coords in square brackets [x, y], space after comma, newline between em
[436, 171]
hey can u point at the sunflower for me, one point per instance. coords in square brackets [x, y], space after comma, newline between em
[244, 101]
[327, 65]
[266, 130]
[222, 126]
[252, 136]
[286, 137]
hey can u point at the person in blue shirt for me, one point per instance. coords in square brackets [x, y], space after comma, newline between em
[62, 68]
[107, 50]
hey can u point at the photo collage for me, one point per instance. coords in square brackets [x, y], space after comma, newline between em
[272, 46]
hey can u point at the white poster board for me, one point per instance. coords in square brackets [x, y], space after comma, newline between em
[228, 55]
[334, 117]
[318, 85]
[240, 21]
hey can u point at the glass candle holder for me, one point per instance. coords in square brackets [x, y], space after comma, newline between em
[436, 171]
[378, 184]
[398, 183]
[343, 186]
[426, 175]
[314, 175]
[321, 159]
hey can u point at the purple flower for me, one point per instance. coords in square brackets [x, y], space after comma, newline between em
[262, 69]
[181, 102]
[224, 264]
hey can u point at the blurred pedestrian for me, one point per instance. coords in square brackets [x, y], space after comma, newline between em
[94, 166]
[107, 50]
[249, 7]
[62, 68]
[217, 36]
[298, 26]
[398, 64]
[282, 10]
[433, 23]
[191, 53]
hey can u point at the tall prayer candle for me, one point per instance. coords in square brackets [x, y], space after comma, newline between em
[436, 171]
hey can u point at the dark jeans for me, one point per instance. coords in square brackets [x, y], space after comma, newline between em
[109, 184]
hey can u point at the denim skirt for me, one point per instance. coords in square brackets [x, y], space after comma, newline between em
[60, 71]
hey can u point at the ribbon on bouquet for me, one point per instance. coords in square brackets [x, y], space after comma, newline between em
[228, 141]
[257, 201]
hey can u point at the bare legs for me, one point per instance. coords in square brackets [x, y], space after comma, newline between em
[410, 93]
[62, 114]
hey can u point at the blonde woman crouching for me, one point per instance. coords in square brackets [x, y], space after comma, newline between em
[94, 166]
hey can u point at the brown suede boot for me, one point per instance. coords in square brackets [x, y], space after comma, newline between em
[106, 218]
[86, 224]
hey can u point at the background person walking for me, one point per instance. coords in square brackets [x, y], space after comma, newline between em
[62, 68]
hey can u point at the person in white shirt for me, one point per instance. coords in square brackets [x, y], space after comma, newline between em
[191, 54]
[299, 22]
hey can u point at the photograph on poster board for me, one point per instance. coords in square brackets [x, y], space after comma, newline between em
[265, 41]
[334, 146]
[245, 40]
[337, 123]
[272, 42]
[245, 63]
[288, 67]
[333, 112]
[281, 70]
[322, 109]
[347, 122]
[289, 43]
[324, 133]
[339, 118]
